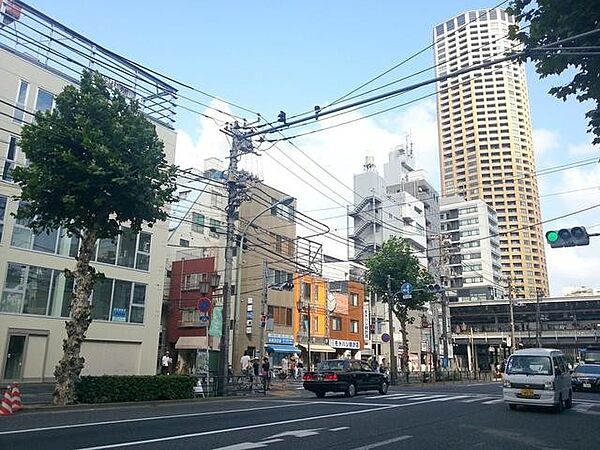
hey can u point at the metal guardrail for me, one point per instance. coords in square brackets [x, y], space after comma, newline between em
[456, 376]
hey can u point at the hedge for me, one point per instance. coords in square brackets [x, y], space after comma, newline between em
[135, 388]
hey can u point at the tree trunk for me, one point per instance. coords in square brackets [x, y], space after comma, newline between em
[404, 358]
[69, 367]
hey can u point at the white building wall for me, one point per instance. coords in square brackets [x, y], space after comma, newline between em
[110, 347]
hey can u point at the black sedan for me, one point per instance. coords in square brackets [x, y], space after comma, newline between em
[586, 377]
[344, 375]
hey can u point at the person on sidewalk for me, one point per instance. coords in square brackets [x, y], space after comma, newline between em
[245, 363]
[266, 373]
[166, 364]
[285, 367]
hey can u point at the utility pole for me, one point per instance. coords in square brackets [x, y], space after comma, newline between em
[513, 344]
[393, 362]
[241, 145]
[264, 310]
[538, 331]
[444, 299]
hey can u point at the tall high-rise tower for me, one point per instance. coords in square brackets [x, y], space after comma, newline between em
[485, 140]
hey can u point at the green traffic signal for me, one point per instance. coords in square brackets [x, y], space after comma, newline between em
[552, 236]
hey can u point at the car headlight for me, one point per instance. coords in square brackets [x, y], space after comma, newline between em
[549, 385]
[506, 383]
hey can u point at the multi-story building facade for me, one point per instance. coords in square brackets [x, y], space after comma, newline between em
[263, 306]
[35, 294]
[485, 140]
[347, 314]
[311, 319]
[474, 264]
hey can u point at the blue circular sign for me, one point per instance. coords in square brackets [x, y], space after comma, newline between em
[385, 337]
[204, 305]
[406, 288]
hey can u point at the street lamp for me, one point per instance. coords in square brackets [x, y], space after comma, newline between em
[287, 200]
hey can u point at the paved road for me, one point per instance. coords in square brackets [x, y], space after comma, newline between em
[461, 416]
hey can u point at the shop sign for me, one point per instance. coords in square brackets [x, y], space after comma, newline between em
[283, 339]
[340, 343]
[366, 321]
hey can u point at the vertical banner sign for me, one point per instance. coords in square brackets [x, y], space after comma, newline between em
[216, 323]
[366, 321]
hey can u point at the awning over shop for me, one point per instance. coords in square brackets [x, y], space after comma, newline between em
[318, 348]
[281, 348]
[191, 342]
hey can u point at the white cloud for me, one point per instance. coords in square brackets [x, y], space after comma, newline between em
[544, 141]
[210, 142]
[574, 266]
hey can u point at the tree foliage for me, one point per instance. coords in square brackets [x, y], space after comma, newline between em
[94, 163]
[553, 20]
[395, 259]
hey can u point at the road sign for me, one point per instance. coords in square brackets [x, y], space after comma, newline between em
[406, 289]
[204, 304]
[385, 337]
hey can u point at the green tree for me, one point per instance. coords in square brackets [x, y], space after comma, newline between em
[95, 163]
[553, 20]
[395, 259]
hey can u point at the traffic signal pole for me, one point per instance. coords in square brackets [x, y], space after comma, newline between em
[393, 362]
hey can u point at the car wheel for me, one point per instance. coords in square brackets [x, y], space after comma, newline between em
[350, 390]
[383, 388]
[559, 407]
[320, 394]
[569, 402]
[512, 406]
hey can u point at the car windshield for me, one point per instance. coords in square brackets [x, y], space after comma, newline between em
[588, 369]
[529, 365]
[333, 364]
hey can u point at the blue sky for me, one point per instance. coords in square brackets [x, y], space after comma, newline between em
[269, 56]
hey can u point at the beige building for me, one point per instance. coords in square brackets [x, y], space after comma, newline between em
[34, 293]
[485, 140]
[268, 263]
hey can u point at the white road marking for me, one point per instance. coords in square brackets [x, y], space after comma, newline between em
[454, 397]
[429, 397]
[229, 430]
[339, 428]
[582, 406]
[143, 419]
[296, 433]
[245, 446]
[476, 399]
[403, 396]
[260, 425]
[382, 443]
[491, 402]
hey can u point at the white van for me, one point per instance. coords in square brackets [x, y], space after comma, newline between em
[537, 377]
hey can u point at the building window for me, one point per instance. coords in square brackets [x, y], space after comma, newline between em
[36, 290]
[21, 102]
[285, 212]
[184, 243]
[354, 326]
[118, 301]
[2, 211]
[305, 291]
[336, 324]
[214, 228]
[44, 100]
[354, 299]
[281, 316]
[197, 223]
[126, 250]
[11, 159]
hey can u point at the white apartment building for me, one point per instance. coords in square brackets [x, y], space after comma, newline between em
[485, 140]
[474, 256]
[34, 292]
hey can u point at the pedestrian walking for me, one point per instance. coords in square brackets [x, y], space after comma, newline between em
[245, 363]
[266, 373]
[165, 364]
[285, 367]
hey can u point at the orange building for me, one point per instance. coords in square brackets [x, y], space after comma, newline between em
[345, 304]
[311, 324]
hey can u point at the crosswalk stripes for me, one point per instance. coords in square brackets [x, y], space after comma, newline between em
[491, 402]
[477, 399]
[455, 397]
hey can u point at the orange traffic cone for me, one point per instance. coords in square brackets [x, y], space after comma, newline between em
[6, 403]
[17, 404]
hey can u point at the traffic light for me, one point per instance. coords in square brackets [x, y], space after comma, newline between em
[434, 288]
[568, 237]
